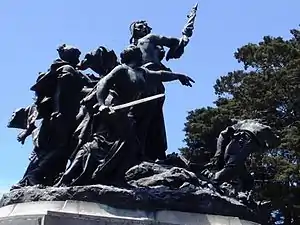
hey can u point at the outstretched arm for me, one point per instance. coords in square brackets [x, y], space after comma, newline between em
[169, 42]
[167, 76]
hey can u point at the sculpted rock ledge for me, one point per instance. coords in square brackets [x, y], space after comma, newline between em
[186, 199]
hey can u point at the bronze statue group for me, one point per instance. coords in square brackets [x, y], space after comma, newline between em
[89, 129]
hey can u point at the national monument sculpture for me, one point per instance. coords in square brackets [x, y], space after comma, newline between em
[109, 129]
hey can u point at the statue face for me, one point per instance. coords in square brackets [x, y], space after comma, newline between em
[141, 29]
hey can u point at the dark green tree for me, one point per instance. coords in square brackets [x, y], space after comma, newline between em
[268, 87]
[202, 129]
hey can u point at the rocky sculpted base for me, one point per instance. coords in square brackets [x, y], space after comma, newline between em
[151, 187]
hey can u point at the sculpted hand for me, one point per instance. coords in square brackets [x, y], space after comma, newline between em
[22, 137]
[186, 80]
[55, 116]
[102, 109]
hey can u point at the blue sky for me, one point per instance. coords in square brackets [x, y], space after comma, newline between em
[31, 31]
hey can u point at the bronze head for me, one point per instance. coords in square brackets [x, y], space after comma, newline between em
[139, 29]
[69, 53]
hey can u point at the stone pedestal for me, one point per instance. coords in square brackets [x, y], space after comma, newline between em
[88, 213]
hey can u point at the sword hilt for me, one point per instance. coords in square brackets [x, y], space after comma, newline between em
[111, 110]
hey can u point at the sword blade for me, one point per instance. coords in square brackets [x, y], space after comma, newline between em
[137, 102]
